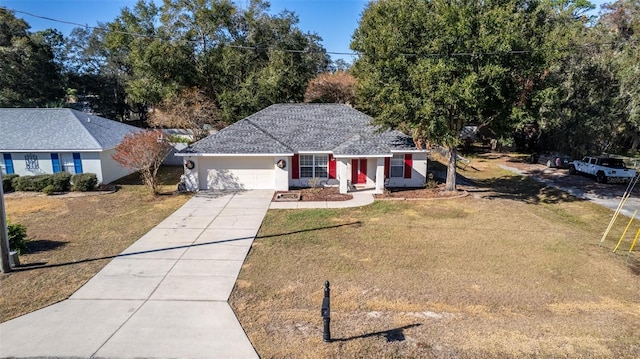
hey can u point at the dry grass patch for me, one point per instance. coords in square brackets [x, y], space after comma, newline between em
[72, 238]
[498, 274]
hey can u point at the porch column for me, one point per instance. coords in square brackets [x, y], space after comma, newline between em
[343, 174]
[380, 176]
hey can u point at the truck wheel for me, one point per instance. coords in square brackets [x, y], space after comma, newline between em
[572, 170]
[601, 178]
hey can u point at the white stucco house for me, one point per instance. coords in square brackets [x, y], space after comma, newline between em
[298, 145]
[48, 140]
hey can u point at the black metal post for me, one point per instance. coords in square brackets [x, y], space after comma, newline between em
[326, 313]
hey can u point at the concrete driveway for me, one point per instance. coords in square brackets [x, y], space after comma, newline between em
[164, 297]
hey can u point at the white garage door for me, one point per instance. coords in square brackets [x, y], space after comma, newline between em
[236, 173]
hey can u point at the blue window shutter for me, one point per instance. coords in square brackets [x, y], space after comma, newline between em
[77, 163]
[8, 163]
[55, 161]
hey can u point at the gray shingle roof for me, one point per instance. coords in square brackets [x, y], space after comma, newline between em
[59, 129]
[295, 128]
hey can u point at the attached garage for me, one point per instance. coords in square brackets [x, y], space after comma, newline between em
[229, 173]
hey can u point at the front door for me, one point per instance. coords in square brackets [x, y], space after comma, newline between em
[359, 171]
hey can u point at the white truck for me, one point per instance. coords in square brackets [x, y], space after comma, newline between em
[605, 169]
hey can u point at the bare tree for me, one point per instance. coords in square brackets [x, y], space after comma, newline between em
[144, 152]
[192, 109]
[331, 88]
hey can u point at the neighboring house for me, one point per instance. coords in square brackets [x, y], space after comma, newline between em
[301, 145]
[48, 140]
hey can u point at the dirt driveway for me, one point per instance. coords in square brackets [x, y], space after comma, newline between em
[607, 195]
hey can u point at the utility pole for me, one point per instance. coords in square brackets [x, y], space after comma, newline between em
[4, 236]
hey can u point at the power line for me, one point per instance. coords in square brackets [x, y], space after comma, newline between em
[263, 48]
[258, 48]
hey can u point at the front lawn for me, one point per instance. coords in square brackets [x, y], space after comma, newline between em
[72, 238]
[511, 270]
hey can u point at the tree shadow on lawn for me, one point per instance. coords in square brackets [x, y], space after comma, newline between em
[516, 187]
[391, 335]
[43, 265]
[43, 245]
[520, 188]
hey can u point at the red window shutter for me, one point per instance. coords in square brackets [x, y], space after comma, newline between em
[295, 166]
[354, 171]
[408, 163]
[387, 167]
[332, 167]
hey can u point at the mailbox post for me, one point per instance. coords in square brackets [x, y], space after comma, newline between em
[326, 313]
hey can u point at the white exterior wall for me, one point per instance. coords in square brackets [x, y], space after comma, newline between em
[282, 175]
[111, 169]
[20, 167]
[91, 164]
[190, 177]
[100, 163]
[229, 173]
[243, 172]
[418, 173]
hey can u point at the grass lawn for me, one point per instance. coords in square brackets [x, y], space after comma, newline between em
[72, 238]
[512, 270]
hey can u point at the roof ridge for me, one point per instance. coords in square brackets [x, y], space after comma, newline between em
[74, 113]
[268, 134]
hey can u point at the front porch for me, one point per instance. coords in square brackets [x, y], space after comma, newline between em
[361, 173]
[374, 172]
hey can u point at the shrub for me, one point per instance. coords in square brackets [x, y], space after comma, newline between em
[431, 182]
[49, 190]
[32, 183]
[61, 182]
[84, 182]
[179, 139]
[7, 186]
[17, 237]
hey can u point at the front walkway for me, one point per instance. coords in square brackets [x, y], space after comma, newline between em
[164, 297]
[360, 198]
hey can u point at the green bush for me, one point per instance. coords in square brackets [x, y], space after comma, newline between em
[49, 190]
[32, 183]
[84, 182]
[17, 237]
[7, 186]
[61, 182]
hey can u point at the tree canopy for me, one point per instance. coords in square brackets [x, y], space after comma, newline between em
[29, 76]
[429, 67]
[237, 60]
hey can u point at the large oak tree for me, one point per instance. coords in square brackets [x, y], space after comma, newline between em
[430, 67]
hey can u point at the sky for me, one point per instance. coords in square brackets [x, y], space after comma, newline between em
[333, 20]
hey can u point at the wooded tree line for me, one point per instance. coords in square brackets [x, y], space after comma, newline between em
[425, 66]
[184, 63]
